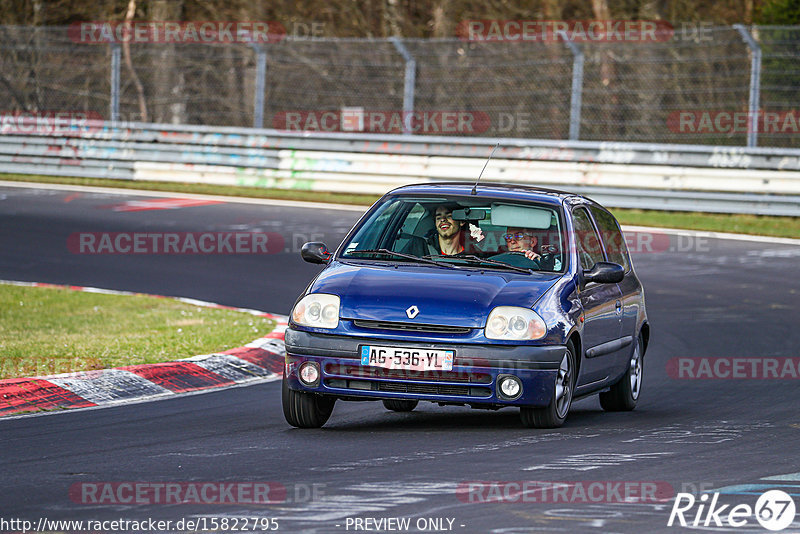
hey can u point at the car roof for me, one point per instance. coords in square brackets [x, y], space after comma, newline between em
[492, 190]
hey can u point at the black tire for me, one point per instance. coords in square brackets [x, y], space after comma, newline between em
[623, 396]
[400, 405]
[554, 414]
[305, 410]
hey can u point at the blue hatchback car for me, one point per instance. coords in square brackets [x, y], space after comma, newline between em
[490, 296]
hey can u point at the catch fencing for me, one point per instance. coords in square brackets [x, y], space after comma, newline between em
[691, 87]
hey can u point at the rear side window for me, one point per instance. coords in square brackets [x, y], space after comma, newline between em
[589, 249]
[612, 237]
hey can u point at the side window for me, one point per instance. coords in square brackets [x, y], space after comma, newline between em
[373, 233]
[589, 248]
[613, 240]
[413, 219]
[411, 231]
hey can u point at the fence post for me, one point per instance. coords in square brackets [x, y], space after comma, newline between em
[115, 66]
[755, 85]
[576, 96]
[260, 85]
[410, 81]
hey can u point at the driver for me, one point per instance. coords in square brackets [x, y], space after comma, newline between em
[449, 238]
[521, 240]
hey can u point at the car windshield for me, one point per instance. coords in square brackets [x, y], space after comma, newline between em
[462, 232]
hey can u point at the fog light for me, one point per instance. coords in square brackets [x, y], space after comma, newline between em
[308, 373]
[510, 387]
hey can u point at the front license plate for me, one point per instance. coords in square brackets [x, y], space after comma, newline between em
[407, 358]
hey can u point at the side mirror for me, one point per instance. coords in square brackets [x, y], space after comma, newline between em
[604, 272]
[315, 252]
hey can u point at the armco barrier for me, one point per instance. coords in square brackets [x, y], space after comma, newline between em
[649, 176]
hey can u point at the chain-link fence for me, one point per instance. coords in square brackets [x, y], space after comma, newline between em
[693, 88]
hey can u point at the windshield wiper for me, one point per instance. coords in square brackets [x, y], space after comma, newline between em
[411, 257]
[478, 259]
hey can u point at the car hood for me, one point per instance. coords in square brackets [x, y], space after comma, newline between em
[443, 296]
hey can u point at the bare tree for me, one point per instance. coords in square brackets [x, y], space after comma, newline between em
[168, 79]
[126, 52]
[392, 19]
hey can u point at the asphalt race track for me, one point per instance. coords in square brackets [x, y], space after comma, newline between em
[706, 297]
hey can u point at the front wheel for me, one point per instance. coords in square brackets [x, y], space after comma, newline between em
[305, 410]
[554, 414]
[623, 395]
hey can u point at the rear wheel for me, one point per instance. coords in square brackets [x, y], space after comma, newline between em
[623, 395]
[305, 410]
[399, 405]
[554, 414]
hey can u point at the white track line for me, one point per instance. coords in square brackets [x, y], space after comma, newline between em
[361, 209]
[219, 198]
[713, 235]
[99, 386]
[141, 400]
[202, 303]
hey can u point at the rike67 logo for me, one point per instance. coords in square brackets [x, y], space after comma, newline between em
[774, 510]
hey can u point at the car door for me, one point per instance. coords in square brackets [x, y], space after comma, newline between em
[617, 252]
[601, 304]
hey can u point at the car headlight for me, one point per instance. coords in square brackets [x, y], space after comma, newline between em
[318, 310]
[511, 322]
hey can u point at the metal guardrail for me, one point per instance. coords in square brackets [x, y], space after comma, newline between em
[649, 176]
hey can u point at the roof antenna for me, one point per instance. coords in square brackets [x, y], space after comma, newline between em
[475, 188]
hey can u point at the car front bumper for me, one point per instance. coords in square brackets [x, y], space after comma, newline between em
[473, 380]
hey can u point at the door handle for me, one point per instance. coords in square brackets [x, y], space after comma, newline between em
[619, 307]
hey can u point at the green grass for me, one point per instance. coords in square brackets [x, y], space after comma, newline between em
[743, 224]
[714, 222]
[46, 331]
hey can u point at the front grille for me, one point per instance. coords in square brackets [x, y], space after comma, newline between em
[402, 387]
[377, 372]
[411, 327]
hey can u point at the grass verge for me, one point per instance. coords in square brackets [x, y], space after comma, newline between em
[714, 222]
[45, 331]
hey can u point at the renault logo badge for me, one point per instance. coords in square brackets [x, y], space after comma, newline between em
[412, 312]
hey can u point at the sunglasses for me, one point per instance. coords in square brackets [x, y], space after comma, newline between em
[519, 235]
